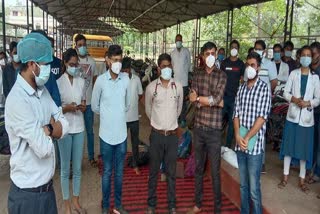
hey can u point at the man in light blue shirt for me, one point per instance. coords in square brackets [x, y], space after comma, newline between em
[32, 121]
[110, 99]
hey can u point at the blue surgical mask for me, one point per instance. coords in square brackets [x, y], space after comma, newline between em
[305, 61]
[82, 50]
[16, 58]
[220, 57]
[43, 75]
[179, 44]
[166, 73]
[277, 56]
[73, 71]
[288, 53]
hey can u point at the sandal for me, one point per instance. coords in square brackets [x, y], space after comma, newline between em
[304, 188]
[282, 184]
[93, 163]
[312, 180]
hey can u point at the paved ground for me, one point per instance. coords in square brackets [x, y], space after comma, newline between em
[293, 201]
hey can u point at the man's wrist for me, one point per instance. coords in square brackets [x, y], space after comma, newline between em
[198, 99]
[50, 129]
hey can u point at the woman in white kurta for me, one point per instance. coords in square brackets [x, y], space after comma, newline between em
[72, 91]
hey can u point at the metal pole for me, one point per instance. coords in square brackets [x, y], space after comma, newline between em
[199, 35]
[195, 43]
[165, 40]
[228, 28]
[291, 19]
[4, 25]
[309, 31]
[154, 45]
[57, 34]
[47, 21]
[147, 44]
[286, 21]
[27, 2]
[43, 20]
[32, 19]
[141, 45]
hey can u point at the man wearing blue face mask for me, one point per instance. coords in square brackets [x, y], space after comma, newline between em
[282, 67]
[287, 58]
[10, 71]
[163, 103]
[111, 100]
[32, 121]
[88, 66]
[181, 63]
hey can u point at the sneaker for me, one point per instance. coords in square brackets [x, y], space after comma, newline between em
[263, 169]
[120, 210]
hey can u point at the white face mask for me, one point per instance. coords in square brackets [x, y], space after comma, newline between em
[43, 75]
[16, 58]
[251, 72]
[166, 73]
[210, 60]
[234, 52]
[116, 67]
[260, 52]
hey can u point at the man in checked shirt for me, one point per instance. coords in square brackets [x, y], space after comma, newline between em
[207, 93]
[252, 107]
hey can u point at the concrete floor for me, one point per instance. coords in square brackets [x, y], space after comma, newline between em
[291, 200]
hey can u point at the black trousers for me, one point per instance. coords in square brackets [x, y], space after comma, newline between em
[162, 148]
[25, 202]
[207, 143]
[134, 133]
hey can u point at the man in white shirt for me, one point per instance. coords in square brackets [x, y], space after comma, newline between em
[181, 63]
[282, 67]
[32, 121]
[163, 105]
[88, 66]
[133, 112]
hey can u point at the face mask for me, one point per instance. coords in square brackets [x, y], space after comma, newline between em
[288, 53]
[73, 71]
[234, 52]
[210, 60]
[43, 75]
[166, 73]
[220, 57]
[82, 50]
[2, 62]
[260, 52]
[251, 72]
[179, 44]
[305, 61]
[116, 67]
[277, 56]
[16, 58]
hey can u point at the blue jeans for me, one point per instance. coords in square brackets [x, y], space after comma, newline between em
[228, 113]
[249, 170]
[71, 148]
[88, 121]
[113, 158]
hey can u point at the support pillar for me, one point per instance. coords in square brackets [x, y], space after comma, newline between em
[288, 25]
[32, 18]
[4, 25]
[141, 45]
[196, 41]
[147, 45]
[27, 3]
[164, 41]
[178, 27]
[229, 29]
[154, 47]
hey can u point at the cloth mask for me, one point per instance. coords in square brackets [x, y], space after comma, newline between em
[251, 72]
[179, 44]
[220, 57]
[73, 71]
[43, 75]
[210, 60]
[82, 50]
[166, 73]
[305, 61]
[276, 56]
[234, 52]
[116, 67]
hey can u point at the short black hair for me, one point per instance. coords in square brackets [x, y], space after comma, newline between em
[51, 39]
[67, 55]
[126, 62]
[12, 45]
[288, 44]
[114, 50]
[163, 57]
[306, 47]
[222, 49]
[260, 42]
[178, 35]
[42, 32]
[79, 37]
[235, 42]
[315, 45]
[250, 50]
[208, 46]
[256, 56]
[278, 46]
[298, 53]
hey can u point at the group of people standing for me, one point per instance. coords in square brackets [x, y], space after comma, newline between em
[50, 104]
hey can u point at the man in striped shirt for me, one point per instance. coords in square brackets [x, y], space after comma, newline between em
[252, 107]
[207, 93]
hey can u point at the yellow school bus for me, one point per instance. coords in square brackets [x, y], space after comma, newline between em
[97, 45]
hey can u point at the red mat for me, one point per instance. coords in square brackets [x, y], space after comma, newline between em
[135, 193]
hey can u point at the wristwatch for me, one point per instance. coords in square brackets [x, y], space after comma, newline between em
[198, 99]
[50, 128]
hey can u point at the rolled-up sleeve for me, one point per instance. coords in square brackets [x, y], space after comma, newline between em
[148, 101]
[217, 96]
[237, 104]
[57, 114]
[265, 103]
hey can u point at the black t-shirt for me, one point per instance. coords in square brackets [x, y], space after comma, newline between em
[234, 71]
[278, 67]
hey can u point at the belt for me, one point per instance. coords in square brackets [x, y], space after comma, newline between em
[165, 132]
[48, 187]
